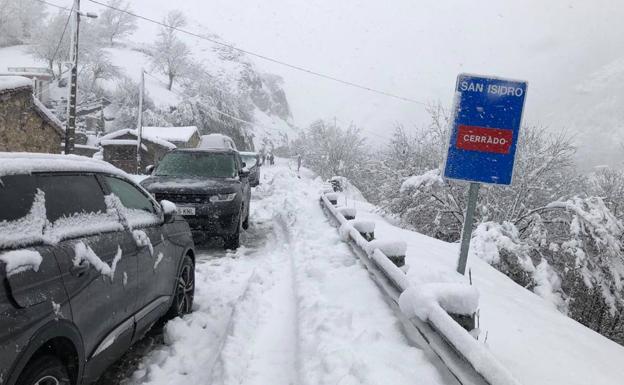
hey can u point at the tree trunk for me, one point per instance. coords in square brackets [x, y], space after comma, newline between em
[170, 82]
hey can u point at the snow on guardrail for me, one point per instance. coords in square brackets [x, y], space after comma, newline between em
[430, 303]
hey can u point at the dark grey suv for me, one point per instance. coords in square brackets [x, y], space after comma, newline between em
[210, 188]
[88, 262]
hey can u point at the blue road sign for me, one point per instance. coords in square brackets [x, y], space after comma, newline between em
[485, 127]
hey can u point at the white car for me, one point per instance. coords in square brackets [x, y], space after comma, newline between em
[216, 141]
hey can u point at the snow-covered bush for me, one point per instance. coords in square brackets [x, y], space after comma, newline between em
[330, 150]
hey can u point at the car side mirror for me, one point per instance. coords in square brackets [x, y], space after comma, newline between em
[169, 210]
[244, 172]
[149, 169]
[244, 164]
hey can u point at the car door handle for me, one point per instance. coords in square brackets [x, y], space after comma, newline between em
[81, 269]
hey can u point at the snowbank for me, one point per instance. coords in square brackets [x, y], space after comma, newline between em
[527, 335]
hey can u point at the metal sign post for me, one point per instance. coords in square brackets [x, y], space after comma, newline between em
[484, 133]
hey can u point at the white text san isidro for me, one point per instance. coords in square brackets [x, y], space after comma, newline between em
[494, 89]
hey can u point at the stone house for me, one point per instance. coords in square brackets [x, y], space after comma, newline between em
[26, 125]
[119, 148]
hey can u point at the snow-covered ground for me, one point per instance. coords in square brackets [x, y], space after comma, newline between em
[292, 306]
[537, 343]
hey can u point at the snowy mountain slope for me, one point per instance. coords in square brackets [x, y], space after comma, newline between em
[526, 334]
[235, 74]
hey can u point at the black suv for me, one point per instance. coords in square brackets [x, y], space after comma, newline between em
[210, 188]
[88, 262]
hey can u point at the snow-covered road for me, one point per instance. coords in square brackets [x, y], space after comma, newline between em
[293, 306]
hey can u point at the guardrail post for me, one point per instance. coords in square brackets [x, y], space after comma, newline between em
[347, 212]
[366, 229]
[332, 198]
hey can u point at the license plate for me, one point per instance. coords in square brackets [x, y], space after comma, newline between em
[182, 210]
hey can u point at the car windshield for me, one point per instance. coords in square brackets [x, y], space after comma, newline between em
[197, 164]
[250, 160]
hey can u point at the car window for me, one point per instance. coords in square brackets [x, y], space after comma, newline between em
[17, 194]
[22, 218]
[129, 195]
[68, 195]
[198, 164]
[250, 160]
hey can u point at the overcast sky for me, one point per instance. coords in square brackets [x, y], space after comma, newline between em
[411, 48]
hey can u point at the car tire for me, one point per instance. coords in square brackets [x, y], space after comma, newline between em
[185, 290]
[246, 222]
[232, 242]
[45, 370]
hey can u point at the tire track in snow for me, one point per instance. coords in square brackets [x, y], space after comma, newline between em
[296, 310]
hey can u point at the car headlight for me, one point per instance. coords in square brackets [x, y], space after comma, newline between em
[222, 197]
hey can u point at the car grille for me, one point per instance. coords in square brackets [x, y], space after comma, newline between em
[182, 198]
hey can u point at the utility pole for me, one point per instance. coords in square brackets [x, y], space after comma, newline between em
[140, 121]
[70, 129]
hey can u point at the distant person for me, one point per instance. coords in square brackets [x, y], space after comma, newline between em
[299, 158]
[271, 158]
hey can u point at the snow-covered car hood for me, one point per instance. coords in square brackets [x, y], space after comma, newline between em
[189, 185]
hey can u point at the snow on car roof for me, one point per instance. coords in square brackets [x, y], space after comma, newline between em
[216, 141]
[8, 83]
[248, 153]
[17, 163]
[175, 134]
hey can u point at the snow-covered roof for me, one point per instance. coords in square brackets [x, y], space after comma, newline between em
[14, 163]
[217, 141]
[149, 138]
[48, 116]
[121, 142]
[172, 134]
[9, 83]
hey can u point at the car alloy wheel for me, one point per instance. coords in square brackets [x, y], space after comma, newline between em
[185, 290]
[45, 370]
[48, 380]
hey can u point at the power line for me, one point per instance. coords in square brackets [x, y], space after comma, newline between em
[261, 56]
[63, 34]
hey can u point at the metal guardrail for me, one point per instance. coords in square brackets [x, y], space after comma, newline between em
[467, 360]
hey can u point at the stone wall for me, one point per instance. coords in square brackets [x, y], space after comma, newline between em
[22, 128]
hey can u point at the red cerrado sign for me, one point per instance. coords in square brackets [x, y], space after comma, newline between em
[484, 139]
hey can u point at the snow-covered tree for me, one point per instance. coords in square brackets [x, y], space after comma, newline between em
[47, 44]
[99, 66]
[171, 56]
[113, 24]
[331, 150]
[19, 20]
